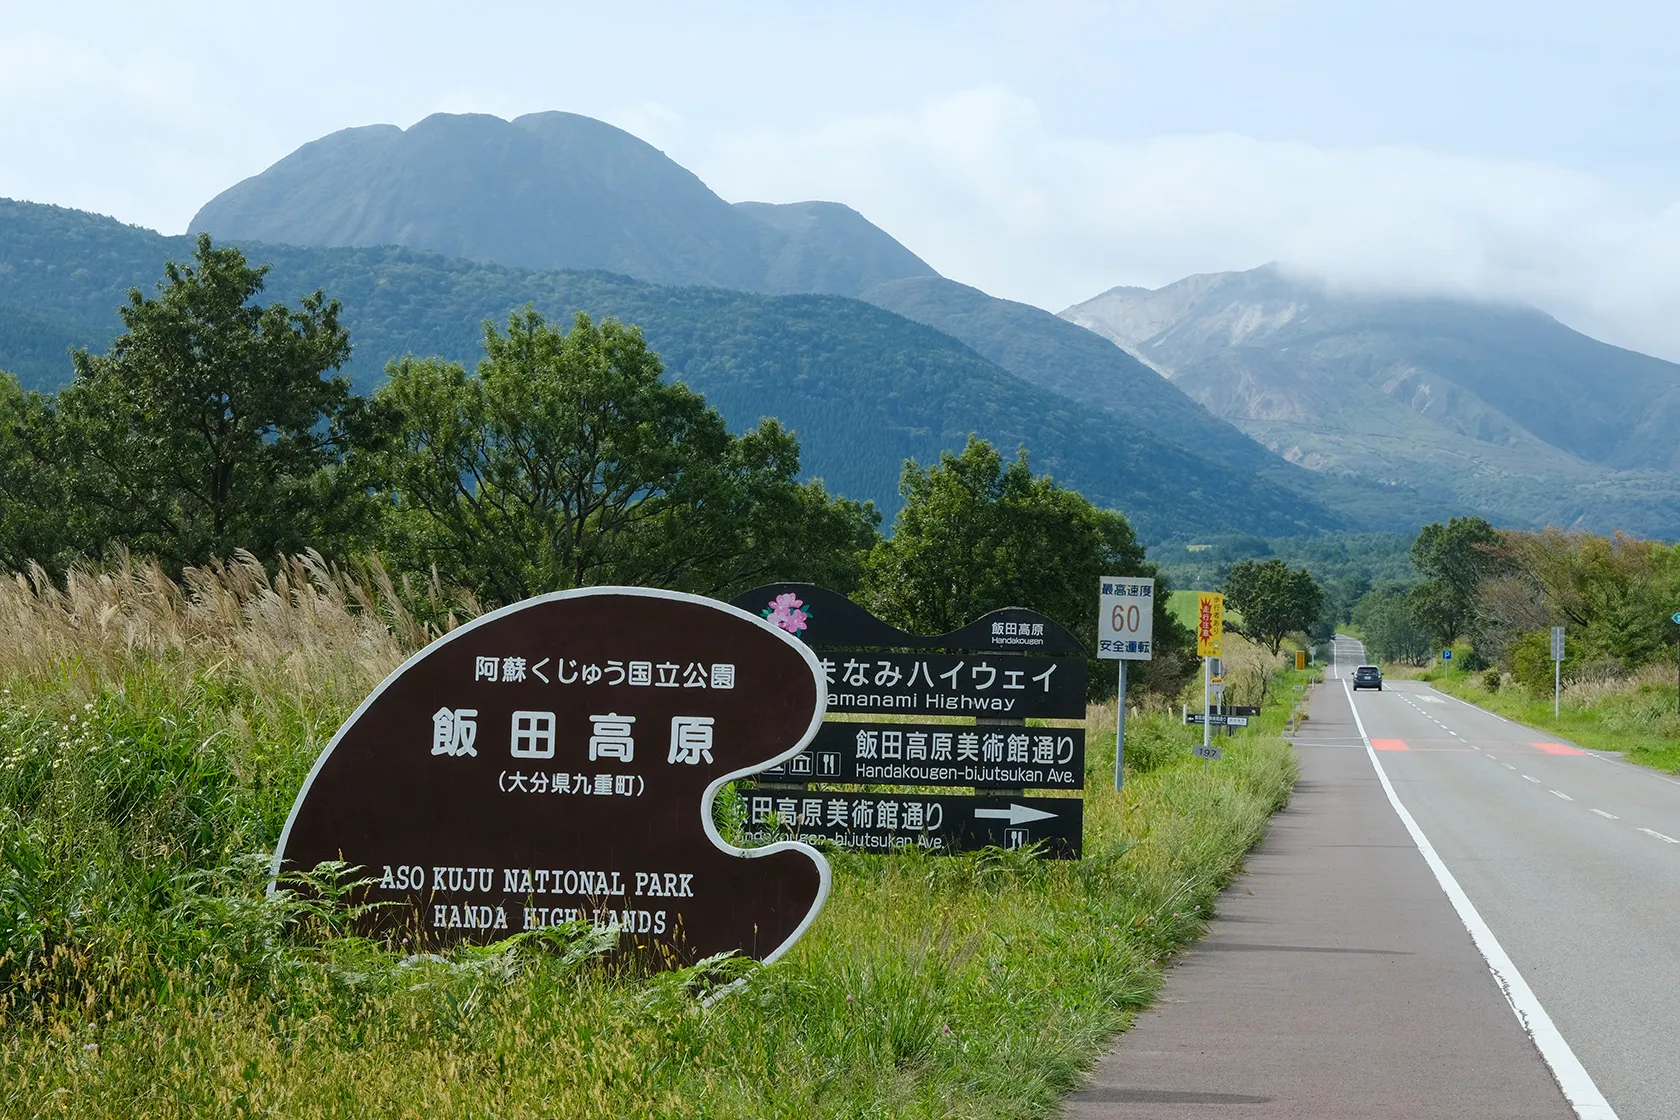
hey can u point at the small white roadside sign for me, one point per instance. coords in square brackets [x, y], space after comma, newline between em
[1126, 619]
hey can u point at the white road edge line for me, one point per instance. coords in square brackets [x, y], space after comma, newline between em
[1572, 1077]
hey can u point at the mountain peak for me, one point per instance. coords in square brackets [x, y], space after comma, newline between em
[549, 190]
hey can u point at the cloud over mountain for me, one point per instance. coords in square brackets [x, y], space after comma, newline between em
[983, 188]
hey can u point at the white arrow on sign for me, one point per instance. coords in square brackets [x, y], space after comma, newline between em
[1015, 814]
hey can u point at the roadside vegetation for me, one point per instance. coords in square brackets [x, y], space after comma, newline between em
[154, 734]
[1492, 597]
[217, 424]
[178, 653]
[1636, 713]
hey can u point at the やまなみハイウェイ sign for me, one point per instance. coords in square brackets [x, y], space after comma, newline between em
[555, 761]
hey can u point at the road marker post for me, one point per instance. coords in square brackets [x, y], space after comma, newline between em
[1557, 670]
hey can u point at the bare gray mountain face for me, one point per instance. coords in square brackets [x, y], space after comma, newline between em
[1500, 409]
[550, 191]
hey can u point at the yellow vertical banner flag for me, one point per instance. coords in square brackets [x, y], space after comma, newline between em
[1300, 659]
[1210, 623]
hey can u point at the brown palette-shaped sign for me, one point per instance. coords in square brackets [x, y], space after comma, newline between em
[556, 761]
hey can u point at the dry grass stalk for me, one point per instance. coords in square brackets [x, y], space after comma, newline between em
[1590, 693]
[311, 620]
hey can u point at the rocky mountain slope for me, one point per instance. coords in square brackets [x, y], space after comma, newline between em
[1500, 409]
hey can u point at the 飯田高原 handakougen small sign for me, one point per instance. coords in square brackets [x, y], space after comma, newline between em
[1126, 619]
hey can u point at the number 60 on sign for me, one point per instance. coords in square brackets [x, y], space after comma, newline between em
[1126, 619]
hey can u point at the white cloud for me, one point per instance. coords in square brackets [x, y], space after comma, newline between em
[978, 185]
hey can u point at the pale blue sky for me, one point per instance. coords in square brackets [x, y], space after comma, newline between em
[1041, 151]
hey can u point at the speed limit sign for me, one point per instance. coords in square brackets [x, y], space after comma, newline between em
[1126, 619]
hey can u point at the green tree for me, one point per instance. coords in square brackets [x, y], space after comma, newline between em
[1384, 616]
[210, 425]
[1274, 599]
[1453, 559]
[31, 491]
[976, 534]
[566, 461]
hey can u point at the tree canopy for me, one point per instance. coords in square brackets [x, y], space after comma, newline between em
[1454, 559]
[211, 424]
[565, 461]
[1274, 599]
[976, 534]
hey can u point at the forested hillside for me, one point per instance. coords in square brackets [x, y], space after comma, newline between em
[863, 388]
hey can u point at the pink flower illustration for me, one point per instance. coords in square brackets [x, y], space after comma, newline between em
[785, 611]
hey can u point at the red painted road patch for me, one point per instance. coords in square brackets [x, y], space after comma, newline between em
[1390, 744]
[1554, 748]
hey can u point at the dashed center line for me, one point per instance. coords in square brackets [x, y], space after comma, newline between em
[1659, 836]
[1532, 778]
[1607, 816]
[1560, 793]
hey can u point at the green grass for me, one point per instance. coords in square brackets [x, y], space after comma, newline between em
[144, 973]
[1637, 717]
[1182, 606]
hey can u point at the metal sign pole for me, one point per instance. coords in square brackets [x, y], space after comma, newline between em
[1120, 733]
[1207, 703]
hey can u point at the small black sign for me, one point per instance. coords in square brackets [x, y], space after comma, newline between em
[883, 822]
[999, 685]
[1217, 719]
[923, 754]
[826, 619]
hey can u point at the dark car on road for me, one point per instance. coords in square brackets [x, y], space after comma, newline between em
[1368, 676]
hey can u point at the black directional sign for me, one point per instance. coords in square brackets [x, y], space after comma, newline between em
[882, 822]
[923, 754]
[999, 685]
[1217, 720]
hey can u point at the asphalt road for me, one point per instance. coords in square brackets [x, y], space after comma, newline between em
[1456, 916]
[1572, 859]
[1337, 980]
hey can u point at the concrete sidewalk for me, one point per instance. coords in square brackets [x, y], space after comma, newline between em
[1336, 980]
